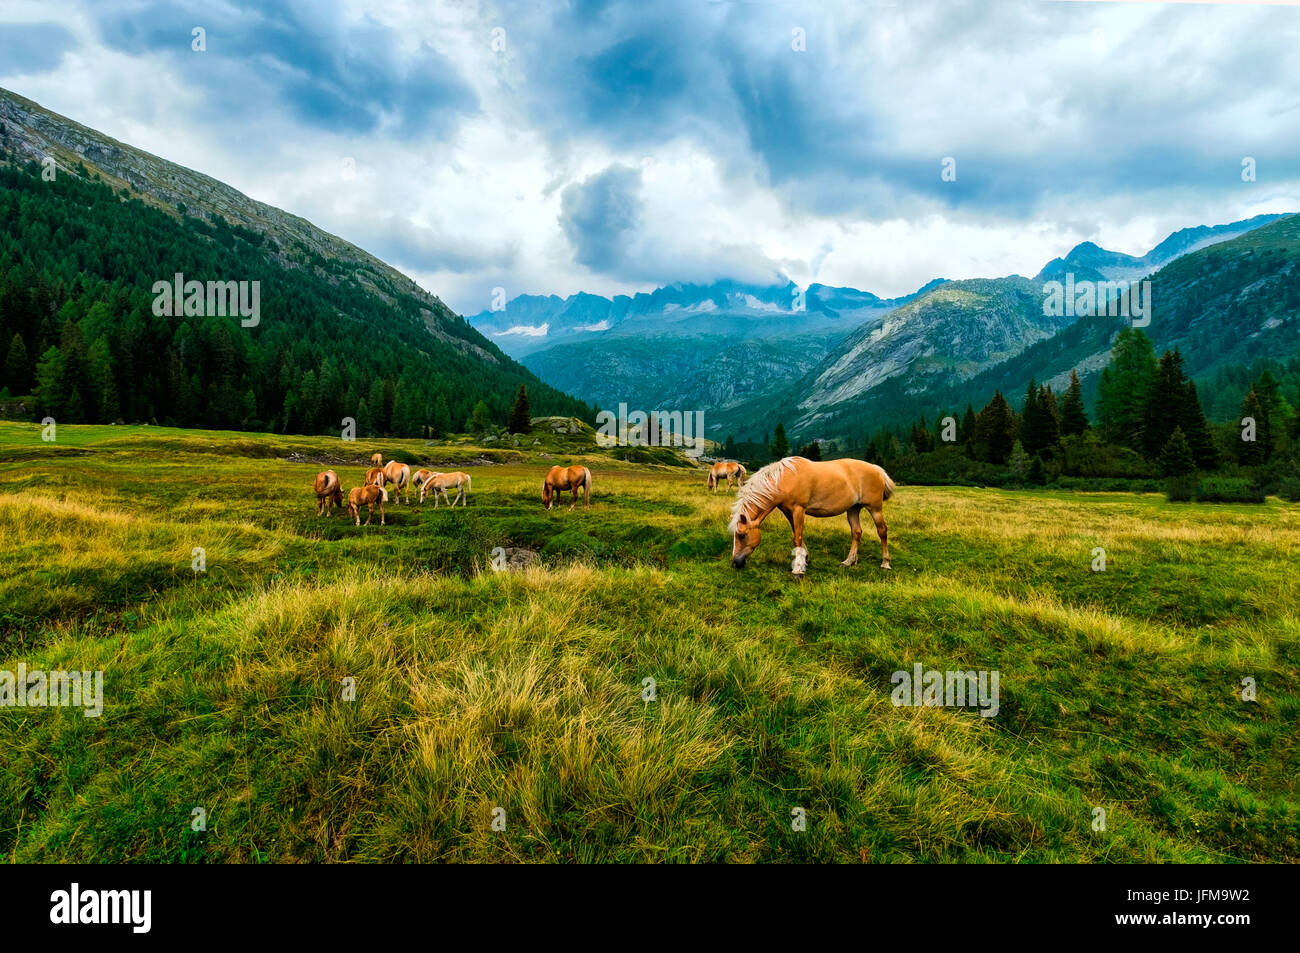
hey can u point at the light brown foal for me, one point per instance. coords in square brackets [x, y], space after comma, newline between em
[367, 496]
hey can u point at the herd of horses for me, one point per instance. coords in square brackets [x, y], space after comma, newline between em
[794, 486]
[374, 489]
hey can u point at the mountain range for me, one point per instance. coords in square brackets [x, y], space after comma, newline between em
[753, 353]
[828, 361]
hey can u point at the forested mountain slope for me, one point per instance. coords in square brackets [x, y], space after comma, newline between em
[340, 334]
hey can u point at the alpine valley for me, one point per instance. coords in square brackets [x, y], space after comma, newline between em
[841, 360]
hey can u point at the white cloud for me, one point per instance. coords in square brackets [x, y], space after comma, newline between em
[828, 171]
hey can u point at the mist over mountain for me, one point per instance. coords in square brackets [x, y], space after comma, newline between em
[752, 353]
[728, 309]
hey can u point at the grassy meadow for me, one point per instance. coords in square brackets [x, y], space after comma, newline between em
[522, 690]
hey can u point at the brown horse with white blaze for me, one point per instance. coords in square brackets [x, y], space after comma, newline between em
[440, 483]
[729, 470]
[798, 488]
[329, 492]
[559, 479]
[420, 479]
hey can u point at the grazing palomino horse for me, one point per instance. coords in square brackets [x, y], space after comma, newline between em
[420, 477]
[799, 487]
[442, 482]
[374, 475]
[376, 459]
[329, 492]
[567, 478]
[398, 474]
[367, 496]
[729, 469]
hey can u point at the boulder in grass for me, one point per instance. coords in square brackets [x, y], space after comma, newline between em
[518, 559]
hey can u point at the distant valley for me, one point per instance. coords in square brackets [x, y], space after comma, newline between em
[752, 354]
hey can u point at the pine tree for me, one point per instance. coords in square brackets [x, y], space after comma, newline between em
[995, 431]
[1037, 473]
[1125, 388]
[1074, 421]
[729, 447]
[1019, 460]
[389, 403]
[1051, 416]
[1030, 424]
[407, 418]
[916, 439]
[1165, 405]
[441, 416]
[780, 445]
[936, 435]
[103, 381]
[75, 412]
[1197, 430]
[922, 439]
[378, 422]
[1039, 429]
[1176, 457]
[810, 451]
[1269, 392]
[521, 416]
[18, 367]
[52, 388]
[967, 431]
[308, 403]
[1252, 452]
[479, 419]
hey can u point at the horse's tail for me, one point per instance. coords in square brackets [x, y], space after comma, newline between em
[384, 490]
[741, 472]
[586, 484]
[469, 484]
[889, 485]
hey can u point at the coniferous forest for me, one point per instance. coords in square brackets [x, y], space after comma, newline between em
[1147, 430]
[78, 333]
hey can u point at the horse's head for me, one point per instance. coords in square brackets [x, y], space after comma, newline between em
[745, 541]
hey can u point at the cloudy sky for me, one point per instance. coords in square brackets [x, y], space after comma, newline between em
[547, 148]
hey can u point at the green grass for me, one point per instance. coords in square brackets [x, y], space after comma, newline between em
[476, 690]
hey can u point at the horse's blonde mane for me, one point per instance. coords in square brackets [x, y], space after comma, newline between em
[760, 489]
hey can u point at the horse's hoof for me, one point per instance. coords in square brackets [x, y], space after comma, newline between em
[884, 565]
